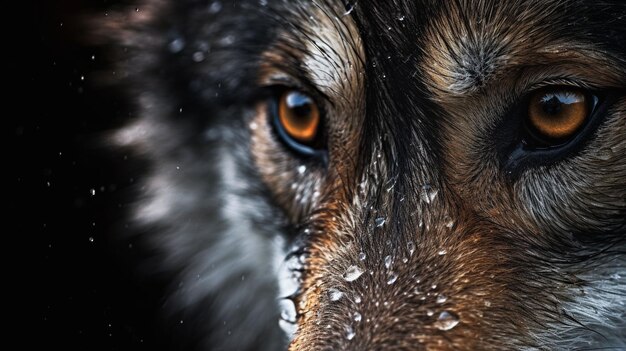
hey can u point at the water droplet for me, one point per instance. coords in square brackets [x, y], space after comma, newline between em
[356, 316]
[301, 169]
[430, 312]
[380, 221]
[198, 56]
[388, 261]
[357, 299]
[350, 333]
[428, 193]
[215, 7]
[441, 298]
[392, 278]
[411, 247]
[352, 273]
[487, 303]
[442, 252]
[91, 239]
[446, 321]
[334, 294]
[405, 260]
[176, 45]
[401, 18]
[449, 222]
[362, 256]
[349, 9]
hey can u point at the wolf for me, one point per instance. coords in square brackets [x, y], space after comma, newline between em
[380, 175]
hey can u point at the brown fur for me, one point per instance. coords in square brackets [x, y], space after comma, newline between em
[459, 249]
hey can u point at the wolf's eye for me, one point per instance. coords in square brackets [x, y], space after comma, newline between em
[297, 121]
[556, 113]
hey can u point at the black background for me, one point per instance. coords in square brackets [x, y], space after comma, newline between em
[71, 190]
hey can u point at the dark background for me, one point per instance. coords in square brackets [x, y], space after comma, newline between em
[71, 191]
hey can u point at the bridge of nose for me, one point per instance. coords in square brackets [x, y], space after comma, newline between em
[396, 288]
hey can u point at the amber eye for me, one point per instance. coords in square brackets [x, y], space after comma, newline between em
[299, 116]
[557, 113]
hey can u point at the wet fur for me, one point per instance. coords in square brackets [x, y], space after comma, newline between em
[418, 97]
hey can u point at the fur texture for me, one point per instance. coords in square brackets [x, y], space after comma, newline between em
[460, 238]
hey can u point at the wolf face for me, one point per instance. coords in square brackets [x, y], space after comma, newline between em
[398, 175]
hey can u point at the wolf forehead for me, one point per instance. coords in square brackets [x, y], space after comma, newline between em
[454, 48]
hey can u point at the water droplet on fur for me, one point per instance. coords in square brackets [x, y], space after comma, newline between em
[411, 247]
[446, 321]
[392, 278]
[334, 294]
[428, 193]
[449, 222]
[92, 192]
[442, 252]
[301, 169]
[387, 261]
[91, 239]
[227, 40]
[441, 298]
[198, 56]
[350, 333]
[349, 9]
[401, 18]
[176, 45]
[380, 221]
[215, 7]
[362, 256]
[352, 273]
[430, 312]
[357, 317]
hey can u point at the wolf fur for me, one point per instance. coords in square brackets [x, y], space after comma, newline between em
[420, 101]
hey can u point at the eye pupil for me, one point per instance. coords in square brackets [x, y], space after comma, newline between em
[552, 105]
[301, 104]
